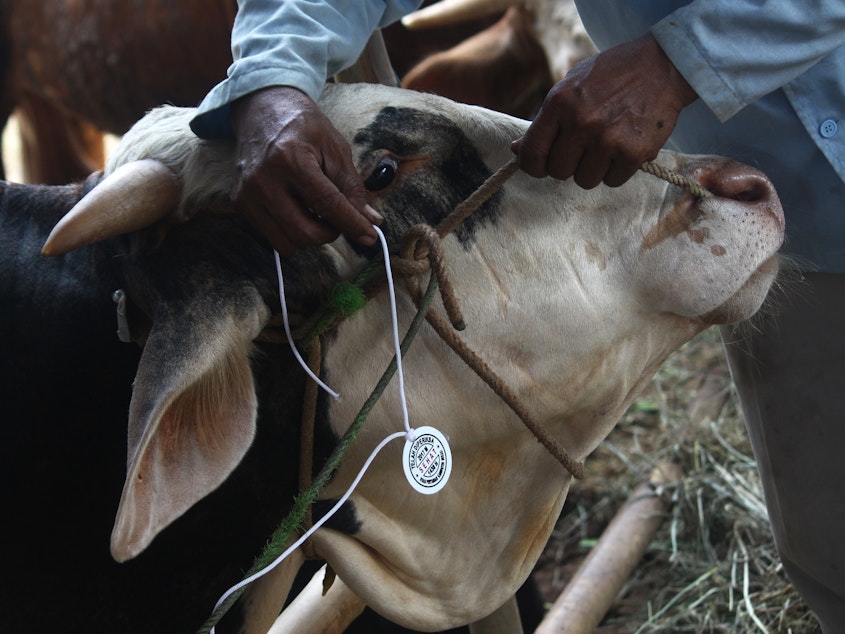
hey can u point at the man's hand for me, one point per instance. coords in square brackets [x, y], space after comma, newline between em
[608, 116]
[296, 182]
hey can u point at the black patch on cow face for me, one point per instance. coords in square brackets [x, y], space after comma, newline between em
[206, 262]
[449, 170]
[345, 520]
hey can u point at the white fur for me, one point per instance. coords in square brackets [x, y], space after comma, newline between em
[561, 33]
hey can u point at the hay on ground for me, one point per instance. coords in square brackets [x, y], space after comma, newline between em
[712, 567]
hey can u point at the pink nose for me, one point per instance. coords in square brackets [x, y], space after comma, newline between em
[728, 179]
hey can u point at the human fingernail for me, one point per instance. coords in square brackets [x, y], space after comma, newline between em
[372, 215]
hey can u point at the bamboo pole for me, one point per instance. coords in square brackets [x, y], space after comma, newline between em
[317, 612]
[588, 596]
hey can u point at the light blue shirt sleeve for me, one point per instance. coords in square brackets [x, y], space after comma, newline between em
[297, 43]
[739, 55]
[732, 52]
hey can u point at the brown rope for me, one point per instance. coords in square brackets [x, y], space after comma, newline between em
[696, 189]
[489, 376]
[421, 251]
[477, 198]
[421, 241]
[498, 178]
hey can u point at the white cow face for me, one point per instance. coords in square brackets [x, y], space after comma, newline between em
[575, 297]
[554, 278]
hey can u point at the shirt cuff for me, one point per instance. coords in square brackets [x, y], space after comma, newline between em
[213, 118]
[683, 51]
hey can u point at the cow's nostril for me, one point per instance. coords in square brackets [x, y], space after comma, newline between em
[737, 182]
[749, 189]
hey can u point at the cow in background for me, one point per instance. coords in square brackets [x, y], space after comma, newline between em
[573, 297]
[75, 70]
[503, 67]
[554, 26]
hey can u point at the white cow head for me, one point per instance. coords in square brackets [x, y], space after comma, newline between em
[574, 297]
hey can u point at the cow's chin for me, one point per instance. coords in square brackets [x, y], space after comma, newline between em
[748, 299]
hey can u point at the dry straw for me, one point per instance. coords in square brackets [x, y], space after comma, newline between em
[712, 566]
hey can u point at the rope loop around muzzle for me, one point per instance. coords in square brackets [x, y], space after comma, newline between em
[670, 176]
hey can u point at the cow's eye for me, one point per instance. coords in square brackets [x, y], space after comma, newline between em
[383, 174]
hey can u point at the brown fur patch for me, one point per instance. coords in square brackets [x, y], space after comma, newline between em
[595, 254]
[200, 412]
[673, 224]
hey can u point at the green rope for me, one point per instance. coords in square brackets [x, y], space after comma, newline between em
[278, 541]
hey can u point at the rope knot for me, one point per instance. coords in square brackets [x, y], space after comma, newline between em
[422, 250]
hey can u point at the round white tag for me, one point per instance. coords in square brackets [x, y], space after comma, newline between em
[427, 460]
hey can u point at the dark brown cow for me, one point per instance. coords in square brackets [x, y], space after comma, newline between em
[503, 68]
[75, 69]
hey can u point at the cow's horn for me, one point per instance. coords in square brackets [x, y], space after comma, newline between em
[448, 12]
[133, 197]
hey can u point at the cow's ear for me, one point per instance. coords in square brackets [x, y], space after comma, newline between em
[191, 419]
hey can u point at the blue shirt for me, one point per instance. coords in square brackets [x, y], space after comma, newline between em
[297, 43]
[771, 80]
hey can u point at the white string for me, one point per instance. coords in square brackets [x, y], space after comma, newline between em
[310, 531]
[287, 329]
[409, 434]
[395, 322]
